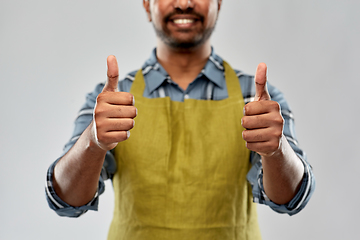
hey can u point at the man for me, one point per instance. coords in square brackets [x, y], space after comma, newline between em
[182, 174]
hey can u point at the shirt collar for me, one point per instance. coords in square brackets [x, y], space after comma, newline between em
[214, 69]
[155, 74]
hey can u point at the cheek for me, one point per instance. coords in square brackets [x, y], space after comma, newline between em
[157, 13]
[155, 17]
[212, 15]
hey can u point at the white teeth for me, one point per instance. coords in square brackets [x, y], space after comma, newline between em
[183, 21]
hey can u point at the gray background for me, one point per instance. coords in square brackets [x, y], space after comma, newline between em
[53, 52]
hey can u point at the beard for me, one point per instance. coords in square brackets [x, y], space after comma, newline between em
[197, 40]
[181, 44]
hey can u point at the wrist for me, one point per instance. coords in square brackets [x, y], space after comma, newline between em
[93, 145]
[280, 151]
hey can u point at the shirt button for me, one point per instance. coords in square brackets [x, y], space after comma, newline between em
[186, 96]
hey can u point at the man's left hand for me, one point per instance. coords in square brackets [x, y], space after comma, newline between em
[262, 119]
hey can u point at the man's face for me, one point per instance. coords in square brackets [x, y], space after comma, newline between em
[183, 24]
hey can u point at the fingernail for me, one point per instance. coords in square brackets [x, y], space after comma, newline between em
[133, 123]
[133, 102]
[128, 134]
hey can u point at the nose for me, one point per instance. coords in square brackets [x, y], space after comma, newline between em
[184, 4]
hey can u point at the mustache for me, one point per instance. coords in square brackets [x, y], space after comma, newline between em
[188, 11]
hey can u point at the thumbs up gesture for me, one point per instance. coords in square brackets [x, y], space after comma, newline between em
[262, 119]
[114, 111]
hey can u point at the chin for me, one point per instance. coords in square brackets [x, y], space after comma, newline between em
[185, 43]
[184, 40]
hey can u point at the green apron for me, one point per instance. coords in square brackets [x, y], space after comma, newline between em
[182, 173]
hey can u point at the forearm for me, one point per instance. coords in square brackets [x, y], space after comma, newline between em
[76, 175]
[282, 173]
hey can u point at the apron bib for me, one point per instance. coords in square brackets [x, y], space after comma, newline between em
[182, 173]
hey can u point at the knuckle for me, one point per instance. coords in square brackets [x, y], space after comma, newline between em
[247, 108]
[244, 122]
[131, 124]
[99, 110]
[279, 120]
[99, 127]
[132, 112]
[122, 136]
[130, 98]
[126, 124]
[112, 76]
[244, 135]
[274, 146]
[277, 134]
[275, 105]
[96, 113]
[101, 138]
[101, 97]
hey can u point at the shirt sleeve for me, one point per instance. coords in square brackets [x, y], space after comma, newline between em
[82, 121]
[61, 207]
[255, 175]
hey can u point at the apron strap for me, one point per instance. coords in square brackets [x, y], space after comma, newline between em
[232, 82]
[138, 85]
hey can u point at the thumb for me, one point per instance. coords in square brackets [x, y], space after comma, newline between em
[112, 75]
[262, 92]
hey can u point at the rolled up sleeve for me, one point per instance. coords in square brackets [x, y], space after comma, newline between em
[255, 175]
[82, 121]
[61, 207]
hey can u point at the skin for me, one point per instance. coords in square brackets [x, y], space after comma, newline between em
[183, 65]
[282, 169]
[76, 175]
[183, 50]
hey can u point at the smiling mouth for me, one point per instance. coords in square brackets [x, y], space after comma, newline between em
[183, 21]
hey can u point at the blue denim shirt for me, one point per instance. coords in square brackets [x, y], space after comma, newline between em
[210, 85]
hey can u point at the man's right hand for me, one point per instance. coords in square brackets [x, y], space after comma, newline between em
[114, 111]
